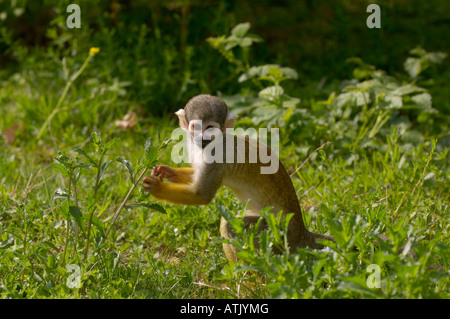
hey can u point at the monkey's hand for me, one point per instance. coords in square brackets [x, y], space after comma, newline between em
[166, 172]
[152, 183]
[175, 175]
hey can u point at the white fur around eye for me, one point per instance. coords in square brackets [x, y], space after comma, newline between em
[195, 126]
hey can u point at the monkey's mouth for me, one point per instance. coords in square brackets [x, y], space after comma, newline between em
[204, 140]
[205, 143]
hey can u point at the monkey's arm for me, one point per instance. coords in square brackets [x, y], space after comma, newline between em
[178, 193]
[200, 191]
[176, 175]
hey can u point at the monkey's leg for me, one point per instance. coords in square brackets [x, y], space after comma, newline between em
[227, 232]
[175, 174]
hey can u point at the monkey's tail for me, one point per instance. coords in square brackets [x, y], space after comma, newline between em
[314, 242]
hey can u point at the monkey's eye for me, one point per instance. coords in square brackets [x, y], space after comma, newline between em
[210, 127]
[197, 127]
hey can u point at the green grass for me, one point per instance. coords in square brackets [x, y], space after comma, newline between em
[385, 171]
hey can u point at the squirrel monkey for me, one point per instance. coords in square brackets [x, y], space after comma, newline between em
[206, 119]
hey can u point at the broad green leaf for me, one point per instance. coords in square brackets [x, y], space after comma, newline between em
[373, 84]
[264, 112]
[394, 101]
[7, 243]
[273, 224]
[84, 165]
[51, 245]
[289, 102]
[96, 139]
[61, 271]
[435, 57]
[337, 232]
[407, 89]
[67, 162]
[271, 93]
[256, 71]
[418, 52]
[103, 169]
[240, 29]
[153, 206]
[289, 73]
[225, 212]
[127, 166]
[216, 42]
[261, 71]
[231, 43]
[110, 143]
[245, 42]
[287, 115]
[413, 66]
[423, 100]
[150, 153]
[61, 168]
[75, 211]
[91, 161]
[60, 194]
[254, 38]
[275, 72]
[362, 73]
[264, 242]
[352, 98]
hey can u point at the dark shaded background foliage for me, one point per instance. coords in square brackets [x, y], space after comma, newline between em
[158, 48]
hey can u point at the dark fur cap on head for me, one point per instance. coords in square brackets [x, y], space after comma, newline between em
[208, 106]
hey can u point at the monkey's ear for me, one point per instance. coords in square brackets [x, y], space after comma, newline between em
[231, 118]
[182, 118]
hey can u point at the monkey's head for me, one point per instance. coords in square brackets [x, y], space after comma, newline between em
[202, 116]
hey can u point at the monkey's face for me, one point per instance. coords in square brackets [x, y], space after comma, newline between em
[203, 132]
[205, 117]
